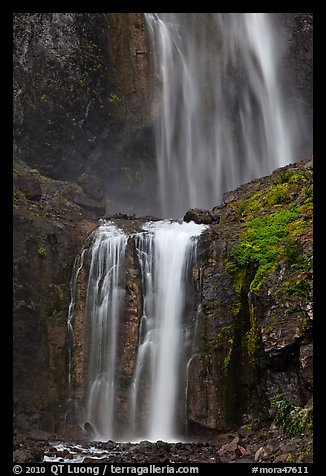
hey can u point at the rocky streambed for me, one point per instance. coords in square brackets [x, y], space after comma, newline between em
[249, 444]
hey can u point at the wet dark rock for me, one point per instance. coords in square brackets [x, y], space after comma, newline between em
[123, 216]
[230, 385]
[22, 456]
[91, 432]
[92, 186]
[78, 112]
[48, 234]
[89, 204]
[75, 432]
[198, 215]
[265, 444]
[230, 451]
[37, 435]
[306, 364]
[29, 185]
[263, 454]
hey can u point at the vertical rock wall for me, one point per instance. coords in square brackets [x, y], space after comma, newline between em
[256, 339]
[82, 99]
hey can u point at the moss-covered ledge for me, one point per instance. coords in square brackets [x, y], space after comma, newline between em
[257, 300]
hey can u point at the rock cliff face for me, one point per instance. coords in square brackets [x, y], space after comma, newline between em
[49, 230]
[256, 341]
[82, 100]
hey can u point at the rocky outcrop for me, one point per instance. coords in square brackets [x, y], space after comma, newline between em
[201, 216]
[49, 230]
[82, 99]
[256, 291]
[298, 64]
[299, 54]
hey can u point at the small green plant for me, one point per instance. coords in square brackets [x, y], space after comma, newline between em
[290, 458]
[19, 194]
[283, 177]
[305, 264]
[292, 418]
[252, 337]
[227, 358]
[278, 195]
[309, 194]
[305, 453]
[239, 210]
[113, 98]
[291, 250]
[300, 288]
[41, 252]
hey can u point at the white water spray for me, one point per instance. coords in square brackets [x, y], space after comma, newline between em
[166, 252]
[223, 119]
[105, 295]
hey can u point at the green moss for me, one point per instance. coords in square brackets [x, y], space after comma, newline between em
[19, 194]
[252, 337]
[113, 98]
[41, 252]
[261, 243]
[278, 195]
[284, 186]
[240, 209]
[291, 250]
[303, 263]
[283, 176]
[292, 418]
[299, 226]
[223, 336]
[290, 458]
[291, 177]
[227, 358]
[304, 323]
[269, 328]
[309, 194]
[236, 307]
[304, 453]
[299, 288]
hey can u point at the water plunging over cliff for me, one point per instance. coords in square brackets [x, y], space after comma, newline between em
[223, 119]
[105, 295]
[166, 253]
[155, 398]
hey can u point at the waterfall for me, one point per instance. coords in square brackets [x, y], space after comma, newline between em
[105, 294]
[166, 253]
[224, 118]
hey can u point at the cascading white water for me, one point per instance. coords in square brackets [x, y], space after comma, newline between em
[105, 295]
[166, 253]
[223, 119]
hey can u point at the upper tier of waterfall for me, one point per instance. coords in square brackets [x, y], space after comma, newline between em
[224, 117]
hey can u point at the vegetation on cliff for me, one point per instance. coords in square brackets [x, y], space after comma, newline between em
[257, 300]
[273, 222]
